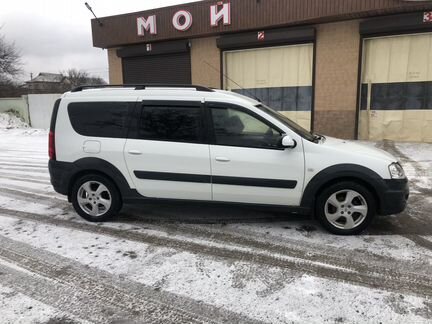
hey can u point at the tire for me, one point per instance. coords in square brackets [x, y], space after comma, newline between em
[96, 198]
[345, 208]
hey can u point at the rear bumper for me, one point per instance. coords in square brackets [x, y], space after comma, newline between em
[393, 197]
[60, 175]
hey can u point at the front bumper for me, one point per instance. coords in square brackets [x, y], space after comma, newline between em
[393, 197]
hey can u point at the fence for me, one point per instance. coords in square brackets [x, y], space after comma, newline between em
[35, 109]
[18, 104]
[40, 107]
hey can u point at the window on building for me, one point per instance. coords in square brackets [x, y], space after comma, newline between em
[100, 119]
[237, 128]
[175, 124]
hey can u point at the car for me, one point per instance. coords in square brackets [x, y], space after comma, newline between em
[110, 145]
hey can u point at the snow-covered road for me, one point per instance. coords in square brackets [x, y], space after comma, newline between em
[160, 263]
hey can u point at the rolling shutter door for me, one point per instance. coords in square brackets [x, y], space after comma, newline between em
[396, 89]
[281, 77]
[173, 68]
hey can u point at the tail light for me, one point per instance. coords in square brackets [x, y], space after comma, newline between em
[51, 146]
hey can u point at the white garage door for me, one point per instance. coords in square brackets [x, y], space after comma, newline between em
[396, 94]
[281, 77]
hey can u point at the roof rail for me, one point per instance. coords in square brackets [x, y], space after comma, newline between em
[142, 86]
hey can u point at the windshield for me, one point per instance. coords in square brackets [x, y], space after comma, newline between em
[288, 122]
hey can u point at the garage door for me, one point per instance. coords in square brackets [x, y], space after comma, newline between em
[281, 77]
[396, 90]
[170, 68]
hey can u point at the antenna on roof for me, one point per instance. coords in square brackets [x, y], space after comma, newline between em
[228, 78]
[91, 10]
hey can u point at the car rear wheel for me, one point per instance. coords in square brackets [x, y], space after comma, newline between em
[95, 198]
[346, 208]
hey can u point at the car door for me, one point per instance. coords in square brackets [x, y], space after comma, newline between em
[247, 161]
[165, 151]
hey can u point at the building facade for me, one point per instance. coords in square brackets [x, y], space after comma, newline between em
[346, 68]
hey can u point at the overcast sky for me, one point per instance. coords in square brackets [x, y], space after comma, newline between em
[55, 35]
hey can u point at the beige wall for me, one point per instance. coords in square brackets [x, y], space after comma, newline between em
[115, 67]
[272, 67]
[396, 125]
[337, 59]
[205, 62]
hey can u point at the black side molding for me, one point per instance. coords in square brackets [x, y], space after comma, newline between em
[202, 178]
[255, 182]
[166, 176]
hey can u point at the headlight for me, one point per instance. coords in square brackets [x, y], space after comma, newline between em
[396, 171]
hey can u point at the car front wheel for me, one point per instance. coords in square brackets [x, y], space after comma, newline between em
[345, 208]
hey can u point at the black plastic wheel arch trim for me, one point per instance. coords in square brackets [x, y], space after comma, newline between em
[390, 193]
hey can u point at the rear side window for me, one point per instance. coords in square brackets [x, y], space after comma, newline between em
[171, 123]
[100, 119]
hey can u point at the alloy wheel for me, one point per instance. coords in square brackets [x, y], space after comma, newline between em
[346, 209]
[94, 198]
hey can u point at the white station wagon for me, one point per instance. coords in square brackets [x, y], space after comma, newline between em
[122, 144]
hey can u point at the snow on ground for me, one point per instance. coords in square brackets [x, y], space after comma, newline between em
[418, 157]
[257, 265]
[10, 121]
[16, 308]
[236, 286]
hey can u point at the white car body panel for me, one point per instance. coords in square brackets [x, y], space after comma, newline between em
[258, 163]
[300, 164]
[184, 158]
[70, 145]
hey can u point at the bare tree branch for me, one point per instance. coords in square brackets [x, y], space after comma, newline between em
[10, 60]
[77, 78]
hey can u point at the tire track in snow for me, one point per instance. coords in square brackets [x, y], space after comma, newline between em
[27, 173]
[293, 248]
[23, 159]
[31, 190]
[26, 178]
[109, 296]
[348, 259]
[38, 166]
[379, 278]
[420, 241]
[34, 197]
[53, 294]
[32, 170]
[307, 251]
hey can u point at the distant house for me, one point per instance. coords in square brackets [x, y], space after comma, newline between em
[48, 83]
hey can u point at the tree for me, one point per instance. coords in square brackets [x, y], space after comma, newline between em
[10, 69]
[10, 61]
[77, 78]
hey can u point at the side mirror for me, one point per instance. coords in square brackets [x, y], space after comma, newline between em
[288, 142]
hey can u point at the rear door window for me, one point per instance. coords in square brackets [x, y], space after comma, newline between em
[170, 123]
[100, 119]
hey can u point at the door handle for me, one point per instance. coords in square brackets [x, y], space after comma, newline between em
[222, 159]
[134, 152]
